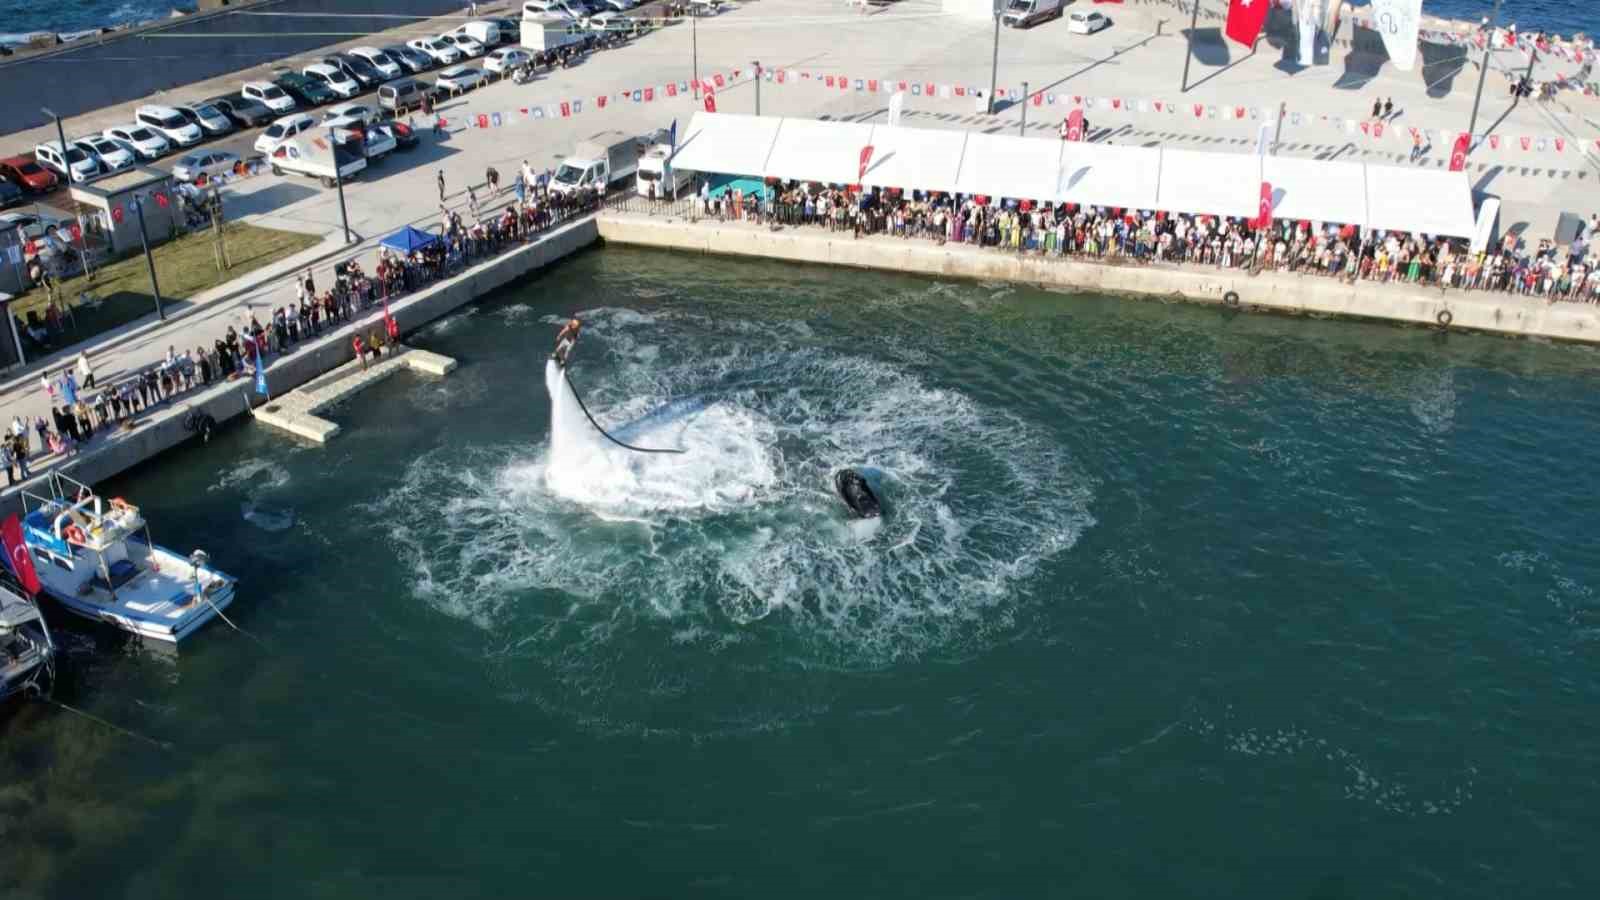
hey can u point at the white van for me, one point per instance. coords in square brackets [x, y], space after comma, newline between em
[654, 171]
[1082, 22]
[52, 157]
[1024, 13]
[169, 123]
[485, 33]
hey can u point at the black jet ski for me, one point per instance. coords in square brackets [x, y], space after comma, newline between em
[853, 489]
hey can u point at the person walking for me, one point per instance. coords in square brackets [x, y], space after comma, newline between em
[441, 185]
[491, 177]
[1377, 109]
[1388, 108]
[85, 371]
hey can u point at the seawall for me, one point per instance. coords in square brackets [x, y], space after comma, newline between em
[1301, 294]
[164, 430]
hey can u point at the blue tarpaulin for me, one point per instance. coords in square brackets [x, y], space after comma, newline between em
[409, 239]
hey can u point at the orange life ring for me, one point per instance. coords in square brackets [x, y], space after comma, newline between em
[75, 534]
[118, 503]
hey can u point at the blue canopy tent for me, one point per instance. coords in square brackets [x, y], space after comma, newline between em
[409, 239]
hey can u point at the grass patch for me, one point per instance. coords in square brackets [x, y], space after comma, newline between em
[184, 267]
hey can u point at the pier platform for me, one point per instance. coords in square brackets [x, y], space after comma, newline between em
[296, 412]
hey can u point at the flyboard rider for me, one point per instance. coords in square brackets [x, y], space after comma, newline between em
[565, 340]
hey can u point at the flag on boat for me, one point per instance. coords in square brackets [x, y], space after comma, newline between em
[18, 560]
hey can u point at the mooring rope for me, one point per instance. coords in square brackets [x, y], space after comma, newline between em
[165, 745]
[607, 434]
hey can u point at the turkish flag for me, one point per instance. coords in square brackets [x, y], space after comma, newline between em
[1199, 110]
[600, 101]
[718, 79]
[711, 102]
[1245, 20]
[1458, 152]
[1525, 141]
[116, 214]
[872, 85]
[1264, 217]
[866, 157]
[649, 95]
[483, 120]
[672, 89]
[1377, 129]
[1494, 142]
[161, 200]
[1075, 125]
[1561, 145]
[18, 558]
[389, 324]
[1038, 99]
[829, 81]
[77, 233]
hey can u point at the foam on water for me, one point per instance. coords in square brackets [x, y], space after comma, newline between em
[744, 526]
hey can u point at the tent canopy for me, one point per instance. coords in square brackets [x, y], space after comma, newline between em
[1219, 184]
[809, 150]
[1317, 190]
[409, 239]
[729, 143]
[916, 159]
[1005, 166]
[1433, 203]
[1105, 175]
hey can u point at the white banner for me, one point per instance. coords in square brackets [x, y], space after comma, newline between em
[1397, 22]
[897, 102]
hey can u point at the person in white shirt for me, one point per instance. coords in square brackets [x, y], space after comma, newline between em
[85, 371]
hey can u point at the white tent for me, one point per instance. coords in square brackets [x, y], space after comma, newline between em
[1105, 175]
[1218, 184]
[727, 143]
[1430, 202]
[1317, 190]
[1005, 166]
[916, 159]
[809, 150]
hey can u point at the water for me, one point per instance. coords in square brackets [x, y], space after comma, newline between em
[1167, 602]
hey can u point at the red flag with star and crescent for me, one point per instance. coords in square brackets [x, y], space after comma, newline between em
[1264, 215]
[1458, 152]
[18, 559]
[1245, 20]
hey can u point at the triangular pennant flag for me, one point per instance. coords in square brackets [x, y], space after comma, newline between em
[482, 121]
[672, 90]
[780, 76]
[577, 107]
[928, 89]
[1561, 145]
[1158, 106]
[916, 89]
[902, 85]
[494, 120]
[830, 81]
[1526, 141]
[1541, 145]
[683, 87]
[1377, 129]
[1050, 99]
[600, 101]
[1038, 99]
[860, 85]
[649, 95]
[872, 85]
[638, 95]
[524, 110]
[718, 79]
[1199, 110]
[538, 112]
[566, 109]
[961, 90]
[1238, 112]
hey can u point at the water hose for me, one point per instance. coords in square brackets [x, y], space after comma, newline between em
[581, 405]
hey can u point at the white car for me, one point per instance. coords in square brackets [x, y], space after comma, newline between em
[269, 95]
[84, 165]
[387, 67]
[208, 117]
[204, 162]
[360, 112]
[505, 59]
[333, 79]
[1082, 22]
[441, 52]
[142, 140]
[169, 123]
[460, 78]
[281, 130]
[622, 5]
[113, 156]
[467, 44]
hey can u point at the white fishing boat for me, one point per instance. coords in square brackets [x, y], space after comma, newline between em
[95, 557]
[27, 655]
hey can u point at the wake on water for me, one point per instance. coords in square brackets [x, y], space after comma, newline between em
[591, 540]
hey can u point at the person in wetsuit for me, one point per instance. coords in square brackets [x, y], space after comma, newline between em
[565, 340]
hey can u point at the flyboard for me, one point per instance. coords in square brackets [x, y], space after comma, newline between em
[566, 341]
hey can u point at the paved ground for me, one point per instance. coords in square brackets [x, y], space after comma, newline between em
[1140, 58]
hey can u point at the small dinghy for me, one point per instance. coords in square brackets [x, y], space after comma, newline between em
[853, 489]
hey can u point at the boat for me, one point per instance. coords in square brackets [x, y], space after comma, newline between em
[27, 654]
[95, 558]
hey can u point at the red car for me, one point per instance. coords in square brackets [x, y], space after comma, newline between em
[25, 171]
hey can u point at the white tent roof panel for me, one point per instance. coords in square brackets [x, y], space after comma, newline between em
[811, 150]
[1430, 202]
[727, 143]
[1006, 166]
[1317, 190]
[1104, 175]
[1218, 184]
[915, 159]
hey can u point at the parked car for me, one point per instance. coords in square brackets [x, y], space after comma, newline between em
[10, 194]
[243, 111]
[211, 120]
[505, 59]
[281, 130]
[404, 136]
[169, 123]
[356, 68]
[1086, 22]
[204, 162]
[461, 78]
[269, 95]
[378, 60]
[334, 79]
[468, 45]
[412, 59]
[52, 156]
[142, 140]
[33, 225]
[305, 91]
[486, 33]
[112, 156]
[402, 94]
[364, 112]
[443, 53]
[608, 21]
[26, 173]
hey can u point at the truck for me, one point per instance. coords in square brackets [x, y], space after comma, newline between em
[314, 156]
[655, 169]
[543, 33]
[604, 159]
[1023, 13]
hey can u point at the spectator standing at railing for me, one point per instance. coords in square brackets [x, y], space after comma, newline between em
[85, 371]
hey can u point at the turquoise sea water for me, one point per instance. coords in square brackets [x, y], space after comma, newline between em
[1168, 602]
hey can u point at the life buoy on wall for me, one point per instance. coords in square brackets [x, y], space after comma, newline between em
[1231, 298]
[1444, 318]
[75, 535]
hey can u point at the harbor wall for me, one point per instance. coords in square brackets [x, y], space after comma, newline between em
[164, 429]
[119, 66]
[1303, 294]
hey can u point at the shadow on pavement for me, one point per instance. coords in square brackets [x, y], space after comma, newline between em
[1440, 66]
[1365, 59]
[269, 199]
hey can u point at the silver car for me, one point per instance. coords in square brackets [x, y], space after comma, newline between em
[204, 162]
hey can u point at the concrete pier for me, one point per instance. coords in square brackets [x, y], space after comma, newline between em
[1495, 312]
[296, 411]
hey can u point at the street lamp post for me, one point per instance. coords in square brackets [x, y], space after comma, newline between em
[338, 180]
[1188, 49]
[1483, 71]
[61, 135]
[994, 62]
[1022, 127]
[757, 64]
[694, 44]
[144, 239]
